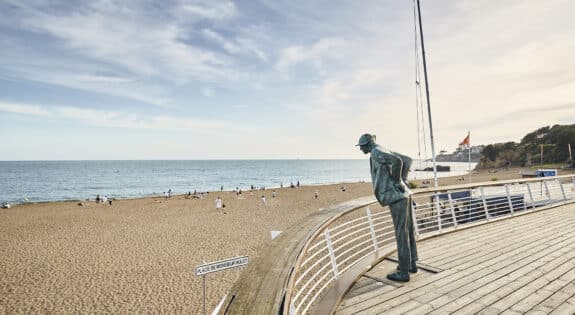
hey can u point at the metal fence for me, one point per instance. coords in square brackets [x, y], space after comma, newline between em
[365, 235]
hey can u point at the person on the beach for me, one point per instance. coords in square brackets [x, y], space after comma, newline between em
[218, 203]
[273, 194]
[98, 198]
[264, 200]
[169, 193]
[316, 194]
[389, 178]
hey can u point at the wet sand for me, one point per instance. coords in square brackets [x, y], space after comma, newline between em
[139, 255]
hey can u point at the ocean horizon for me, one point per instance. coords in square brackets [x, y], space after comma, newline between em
[41, 181]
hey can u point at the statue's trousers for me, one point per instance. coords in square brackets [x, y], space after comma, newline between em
[404, 234]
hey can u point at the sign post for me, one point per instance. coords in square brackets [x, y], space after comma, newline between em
[204, 294]
[216, 266]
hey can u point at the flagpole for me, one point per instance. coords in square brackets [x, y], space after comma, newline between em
[469, 150]
[570, 156]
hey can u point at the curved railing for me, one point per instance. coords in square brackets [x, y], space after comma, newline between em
[348, 240]
[361, 233]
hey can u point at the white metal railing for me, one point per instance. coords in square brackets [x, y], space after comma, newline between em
[342, 243]
[335, 249]
[436, 210]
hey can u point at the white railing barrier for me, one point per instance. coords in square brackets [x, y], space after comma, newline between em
[331, 254]
[371, 229]
[340, 245]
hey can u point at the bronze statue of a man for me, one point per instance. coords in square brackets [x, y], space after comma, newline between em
[389, 178]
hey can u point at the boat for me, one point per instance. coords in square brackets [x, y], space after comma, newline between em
[439, 168]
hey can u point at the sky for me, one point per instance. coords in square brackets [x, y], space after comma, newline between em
[274, 79]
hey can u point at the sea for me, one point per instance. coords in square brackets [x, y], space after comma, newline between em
[39, 181]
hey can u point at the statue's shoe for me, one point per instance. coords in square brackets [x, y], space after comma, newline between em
[398, 276]
[412, 268]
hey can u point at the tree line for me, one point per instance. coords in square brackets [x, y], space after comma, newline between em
[552, 141]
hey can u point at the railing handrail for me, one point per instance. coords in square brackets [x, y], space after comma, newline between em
[487, 184]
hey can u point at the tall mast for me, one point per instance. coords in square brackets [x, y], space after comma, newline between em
[427, 93]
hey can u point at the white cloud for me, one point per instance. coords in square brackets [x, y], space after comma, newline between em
[239, 46]
[323, 49]
[146, 50]
[251, 46]
[23, 109]
[219, 39]
[218, 10]
[116, 119]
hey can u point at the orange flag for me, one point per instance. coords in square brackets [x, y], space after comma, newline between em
[466, 141]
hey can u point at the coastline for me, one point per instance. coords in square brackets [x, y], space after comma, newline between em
[31, 182]
[139, 255]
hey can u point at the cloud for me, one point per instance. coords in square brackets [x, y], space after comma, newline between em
[78, 48]
[317, 53]
[239, 46]
[24, 109]
[219, 10]
[118, 119]
[251, 46]
[145, 50]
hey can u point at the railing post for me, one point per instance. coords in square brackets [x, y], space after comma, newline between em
[509, 198]
[487, 215]
[562, 190]
[331, 254]
[547, 191]
[452, 209]
[438, 211]
[524, 203]
[530, 195]
[414, 218]
[292, 308]
[372, 230]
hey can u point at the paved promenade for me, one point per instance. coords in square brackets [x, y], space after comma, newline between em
[525, 264]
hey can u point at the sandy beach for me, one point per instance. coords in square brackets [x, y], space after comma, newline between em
[139, 255]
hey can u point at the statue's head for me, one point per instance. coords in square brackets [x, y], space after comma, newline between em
[366, 143]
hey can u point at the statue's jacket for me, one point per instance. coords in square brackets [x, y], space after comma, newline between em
[386, 167]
